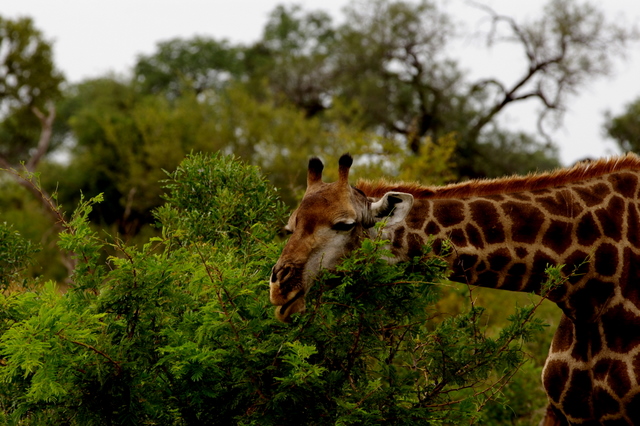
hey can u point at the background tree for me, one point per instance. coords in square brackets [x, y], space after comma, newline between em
[625, 128]
[123, 141]
[28, 81]
[296, 50]
[391, 57]
[194, 65]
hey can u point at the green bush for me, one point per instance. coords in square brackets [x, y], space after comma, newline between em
[180, 330]
[15, 255]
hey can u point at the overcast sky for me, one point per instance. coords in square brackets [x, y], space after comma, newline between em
[92, 38]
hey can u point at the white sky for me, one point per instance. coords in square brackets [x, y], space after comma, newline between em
[92, 38]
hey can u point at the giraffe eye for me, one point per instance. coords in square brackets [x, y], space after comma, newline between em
[343, 226]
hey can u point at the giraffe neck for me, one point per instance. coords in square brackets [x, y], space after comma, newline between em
[508, 240]
[505, 232]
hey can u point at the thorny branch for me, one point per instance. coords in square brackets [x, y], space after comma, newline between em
[116, 364]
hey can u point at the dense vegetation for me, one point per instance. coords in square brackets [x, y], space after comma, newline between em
[179, 330]
[165, 318]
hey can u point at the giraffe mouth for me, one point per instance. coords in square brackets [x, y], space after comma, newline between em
[284, 307]
[294, 305]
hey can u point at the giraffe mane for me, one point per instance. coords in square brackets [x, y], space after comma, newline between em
[480, 187]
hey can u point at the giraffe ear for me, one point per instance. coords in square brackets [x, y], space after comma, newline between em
[392, 207]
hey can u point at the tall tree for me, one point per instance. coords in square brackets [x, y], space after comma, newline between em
[29, 82]
[393, 58]
[393, 61]
[566, 46]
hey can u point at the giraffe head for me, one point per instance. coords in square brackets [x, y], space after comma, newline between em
[331, 221]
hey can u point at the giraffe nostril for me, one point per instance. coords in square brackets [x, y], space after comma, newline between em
[286, 274]
[282, 274]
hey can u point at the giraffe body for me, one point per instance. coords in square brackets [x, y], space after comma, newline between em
[504, 233]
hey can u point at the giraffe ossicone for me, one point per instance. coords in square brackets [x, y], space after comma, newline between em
[504, 233]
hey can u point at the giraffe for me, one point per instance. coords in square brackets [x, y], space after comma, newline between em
[504, 233]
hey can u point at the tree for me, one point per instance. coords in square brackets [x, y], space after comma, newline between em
[392, 58]
[196, 65]
[393, 62]
[28, 82]
[123, 142]
[625, 128]
[299, 47]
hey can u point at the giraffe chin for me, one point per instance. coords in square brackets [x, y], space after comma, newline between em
[294, 306]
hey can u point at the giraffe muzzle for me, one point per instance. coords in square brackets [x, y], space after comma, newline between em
[293, 306]
[286, 291]
[286, 306]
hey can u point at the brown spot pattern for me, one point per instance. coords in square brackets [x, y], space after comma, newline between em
[558, 236]
[604, 403]
[485, 215]
[398, 238]
[592, 227]
[458, 238]
[592, 195]
[624, 184]
[448, 212]
[588, 301]
[610, 218]
[527, 221]
[499, 259]
[577, 400]
[588, 231]
[633, 225]
[563, 339]
[606, 259]
[432, 228]
[555, 379]
[560, 203]
[633, 409]
[414, 244]
[619, 325]
[475, 237]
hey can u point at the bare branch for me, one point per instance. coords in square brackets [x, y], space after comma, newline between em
[488, 82]
[46, 122]
[496, 19]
